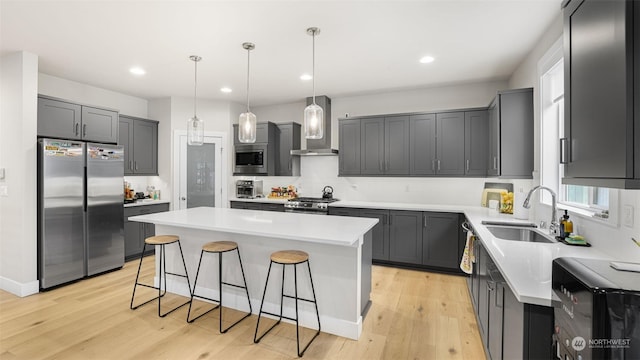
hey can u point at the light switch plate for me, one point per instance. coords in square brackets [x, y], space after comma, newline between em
[627, 216]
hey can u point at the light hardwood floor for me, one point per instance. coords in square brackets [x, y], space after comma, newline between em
[414, 315]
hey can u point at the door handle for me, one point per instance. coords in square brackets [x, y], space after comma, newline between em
[84, 130]
[564, 150]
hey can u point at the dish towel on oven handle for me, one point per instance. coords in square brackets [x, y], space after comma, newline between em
[468, 257]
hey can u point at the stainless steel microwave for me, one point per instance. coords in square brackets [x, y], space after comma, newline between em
[251, 159]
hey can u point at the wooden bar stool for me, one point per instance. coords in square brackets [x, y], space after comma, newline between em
[162, 241]
[284, 258]
[219, 247]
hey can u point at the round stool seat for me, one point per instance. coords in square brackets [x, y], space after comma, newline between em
[161, 239]
[219, 246]
[289, 257]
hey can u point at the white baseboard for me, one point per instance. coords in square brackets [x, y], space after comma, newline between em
[236, 299]
[19, 289]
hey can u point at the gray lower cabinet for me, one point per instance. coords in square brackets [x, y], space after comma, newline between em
[476, 142]
[252, 205]
[139, 137]
[509, 329]
[288, 138]
[136, 232]
[62, 119]
[349, 145]
[405, 236]
[511, 134]
[441, 240]
[380, 232]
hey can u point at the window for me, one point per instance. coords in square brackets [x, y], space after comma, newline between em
[584, 199]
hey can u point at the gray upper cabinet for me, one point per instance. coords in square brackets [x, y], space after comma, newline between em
[476, 142]
[422, 143]
[349, 145]
[384, 146]
[511, 134]
[139, 137]
[262, 133]
[602, 83]
[372, 146]
[288, 138]
[61, 119]
[450, 143]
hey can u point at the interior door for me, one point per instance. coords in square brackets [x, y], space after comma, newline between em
[200, 173]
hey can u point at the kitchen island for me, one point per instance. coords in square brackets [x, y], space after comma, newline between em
[339, 252]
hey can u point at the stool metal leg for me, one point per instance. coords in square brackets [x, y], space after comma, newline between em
[314, 302]
[257, 339]
[219, 301]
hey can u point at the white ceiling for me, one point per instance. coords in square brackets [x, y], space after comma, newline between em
[363, 47]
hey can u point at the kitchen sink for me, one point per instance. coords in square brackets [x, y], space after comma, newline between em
[519, 234]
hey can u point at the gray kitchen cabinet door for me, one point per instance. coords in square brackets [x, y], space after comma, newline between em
[380, 232]
[482, 258]
[59, 119]
[288, 139]
[405, 236]
[493, 165]
[514, 324]
[145, 147]
[476, 139]
[396, 145]
[238, 205]
[349, 147]
[422, 142]
[450, 143]
[440, 246]
[273, 207]
[516, 133]
[125, 137]
[599, 89]
[372, 146]
[339, 211]
[132, 235]
[99, 125]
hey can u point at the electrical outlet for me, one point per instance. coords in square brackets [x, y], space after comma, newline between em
[627, 216]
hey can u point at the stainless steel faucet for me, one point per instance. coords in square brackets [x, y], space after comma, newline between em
[554, 227]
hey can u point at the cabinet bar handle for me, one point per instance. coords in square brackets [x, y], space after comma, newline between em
[467, 165]
[84, 130]
[438, 164]
[130, 165]
[424, 221]
[135, 165]
[498, 299]
[564, 151]
[75, 131]
[495, 163]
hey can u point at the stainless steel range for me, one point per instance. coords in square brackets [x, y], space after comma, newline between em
[309, 205]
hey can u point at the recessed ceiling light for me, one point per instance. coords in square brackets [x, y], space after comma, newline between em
[306, 77]
[226, 90]
[136, 70]
[427, 59]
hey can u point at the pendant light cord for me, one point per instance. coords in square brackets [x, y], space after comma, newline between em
[313, 67]
[195, 88]
[248, 67]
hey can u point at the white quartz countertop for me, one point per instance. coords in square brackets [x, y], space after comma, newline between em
[333, 230]
[261, 200]
[525, 266]
[144, 202]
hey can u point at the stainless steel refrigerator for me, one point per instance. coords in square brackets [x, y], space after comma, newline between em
[80, 210]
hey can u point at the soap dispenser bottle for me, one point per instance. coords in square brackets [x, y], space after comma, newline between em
[566, 225]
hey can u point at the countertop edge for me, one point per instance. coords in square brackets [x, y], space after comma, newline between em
[145, 203]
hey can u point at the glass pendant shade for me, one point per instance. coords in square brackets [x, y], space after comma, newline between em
[247, 127]
[313, 122]
[195, 131]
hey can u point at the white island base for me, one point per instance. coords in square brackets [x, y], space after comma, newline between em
[339, 251]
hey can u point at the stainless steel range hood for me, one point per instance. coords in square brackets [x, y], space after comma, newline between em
[320, 147]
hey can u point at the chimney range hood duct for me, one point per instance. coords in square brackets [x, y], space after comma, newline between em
[320, 147]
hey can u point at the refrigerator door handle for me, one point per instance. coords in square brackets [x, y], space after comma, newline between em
[84, 190]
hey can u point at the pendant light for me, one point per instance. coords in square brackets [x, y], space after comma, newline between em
[247, 121]
[195, 126]
[313, 114]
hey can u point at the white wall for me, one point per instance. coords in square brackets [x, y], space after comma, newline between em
[91, 95]
[612, 239]
[18, 119]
